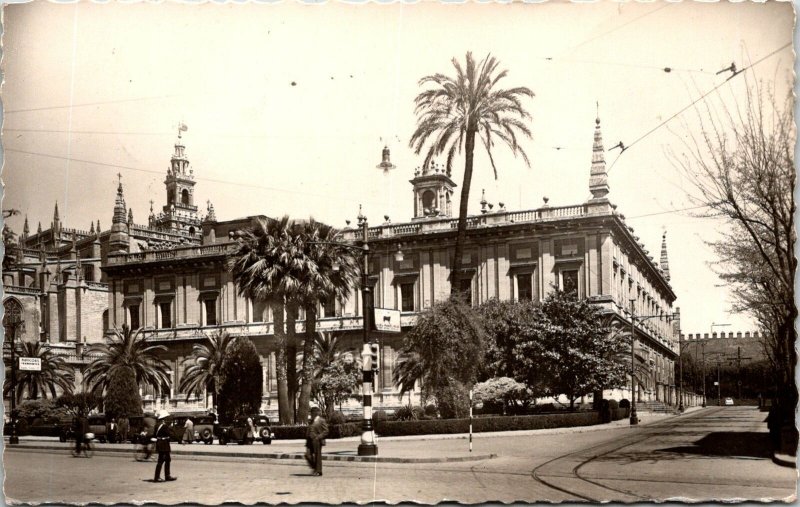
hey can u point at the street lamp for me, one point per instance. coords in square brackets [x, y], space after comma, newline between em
[13, 321]
[634, 419]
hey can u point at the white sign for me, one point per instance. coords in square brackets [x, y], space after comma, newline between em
[30, 364]
[387, 320]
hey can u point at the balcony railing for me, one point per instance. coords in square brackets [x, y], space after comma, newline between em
[175, 253]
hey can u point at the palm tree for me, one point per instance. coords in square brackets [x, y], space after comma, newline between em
[127, 348]
[330, 273]
[264, 268]
[202, 368]
[54, 375]
[460, 108]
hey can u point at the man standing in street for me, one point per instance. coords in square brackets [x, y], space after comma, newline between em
[81, 427]
[188, 431]
[162, 447]
[317, 431]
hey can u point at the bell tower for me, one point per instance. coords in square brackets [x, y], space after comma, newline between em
[433, 192]
[179, 213]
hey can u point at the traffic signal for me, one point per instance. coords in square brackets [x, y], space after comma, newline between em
[374, 348]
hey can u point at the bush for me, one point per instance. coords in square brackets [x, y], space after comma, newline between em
[624, 403]
[453, 400]
[379, 415]
[619, 413]
[447, 426]
[336, 418]
[299, 431]
[613, 404]
[431, 412]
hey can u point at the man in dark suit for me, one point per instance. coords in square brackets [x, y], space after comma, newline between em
[317, 431]
[80, 426]
[162, 446]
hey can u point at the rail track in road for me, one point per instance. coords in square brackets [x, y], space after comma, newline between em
[563, 472]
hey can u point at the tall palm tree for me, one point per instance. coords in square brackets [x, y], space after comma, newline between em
[127, 348]
[458, 109]
[330, 273]
[55, 374]
[264, 268]
[202, 368]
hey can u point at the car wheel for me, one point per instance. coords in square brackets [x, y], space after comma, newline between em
[206, 435]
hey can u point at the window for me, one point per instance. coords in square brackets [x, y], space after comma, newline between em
[465, 288]
[329, 307]
[165, 311]
[133, 311]
[569, 280]
[211, 311]
[259, 311]
[88, 273]
[524, 287]
[185, 196]
[407, 297]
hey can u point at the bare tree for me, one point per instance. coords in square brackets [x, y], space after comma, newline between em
[741, 165]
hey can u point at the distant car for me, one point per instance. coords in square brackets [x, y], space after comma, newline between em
[729, 401]
[203, 427]
[237, 432]
[97, 425]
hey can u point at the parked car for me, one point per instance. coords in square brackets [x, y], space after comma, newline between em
[97, 425]
[237, 432]
[141, 428]
[728, 401]
[47, 426]
[203, 427]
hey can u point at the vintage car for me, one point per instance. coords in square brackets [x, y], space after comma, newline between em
[203, 427]
[238, 431]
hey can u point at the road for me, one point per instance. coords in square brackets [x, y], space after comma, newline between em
[719, 453]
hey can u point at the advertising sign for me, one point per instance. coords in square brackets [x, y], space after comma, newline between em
[387, 320]
[30, 364]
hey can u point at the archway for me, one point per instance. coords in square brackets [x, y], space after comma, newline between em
[184, 196]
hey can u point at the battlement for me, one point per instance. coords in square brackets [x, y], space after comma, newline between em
[747, 335]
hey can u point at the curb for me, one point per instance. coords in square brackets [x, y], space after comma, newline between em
[284, 455]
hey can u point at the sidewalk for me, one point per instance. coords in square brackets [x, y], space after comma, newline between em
[437, 448]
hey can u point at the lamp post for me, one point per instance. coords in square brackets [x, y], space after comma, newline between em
[681, 408]
[13, 321]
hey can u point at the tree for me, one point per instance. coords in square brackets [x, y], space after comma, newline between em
[263, 268]
[10, 247]
[509, 325]
[126, 349]
[55, 374]
[459, 109]
[202, 369]
[323, 282]
[503, 391]
[741, 165]
[79, 403]
[444, 352]
[579, 351]
[335, 384]
[242, 380]
[122, 398]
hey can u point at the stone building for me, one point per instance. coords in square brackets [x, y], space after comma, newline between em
[169, 278]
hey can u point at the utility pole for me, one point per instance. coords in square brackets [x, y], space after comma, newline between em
[704, 373]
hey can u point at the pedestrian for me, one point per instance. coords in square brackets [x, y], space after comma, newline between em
[80, 426]
[315, 439]
[162, 447]
[124, 427]
[188, 431]
[251, 430]
[111, 430]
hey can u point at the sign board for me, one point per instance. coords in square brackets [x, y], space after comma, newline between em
[387, 320]
[30, 364]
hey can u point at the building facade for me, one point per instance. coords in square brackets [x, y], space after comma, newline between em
[170, 279]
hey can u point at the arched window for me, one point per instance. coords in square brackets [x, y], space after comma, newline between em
[171, 196]
[185, 196]
[428, 201]
[13, 315]
[105, 320]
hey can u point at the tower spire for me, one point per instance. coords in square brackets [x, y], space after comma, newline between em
[598, 177]
[119, 207]
[664, 264]
[25, 228]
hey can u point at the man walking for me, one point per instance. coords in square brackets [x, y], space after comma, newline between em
[162, 447]
[188, 431]
[81, 427]
[317, 431]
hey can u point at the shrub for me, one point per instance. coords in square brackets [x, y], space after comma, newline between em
[343, 430]
[430, 411]
[379, 415]
[242, 379]
[446, 426]
[613, 404]
[122, 398]
[299, 431]
[453, 400]
[624, 403]
[620, 413]
[336, 418]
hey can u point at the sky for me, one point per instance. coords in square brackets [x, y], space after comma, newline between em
[289, 105]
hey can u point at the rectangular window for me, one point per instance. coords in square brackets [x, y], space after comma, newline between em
[569, 280]
[407, 297]
[465, 287]
[165, 309]
[134, 316]
[259, 311]
[329, 307]
[524, 287]
[88, 273]
[211, 311]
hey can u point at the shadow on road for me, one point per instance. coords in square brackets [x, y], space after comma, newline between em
[728, 443]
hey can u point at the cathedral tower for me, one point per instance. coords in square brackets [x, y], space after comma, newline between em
[433, 192]
[179, 213]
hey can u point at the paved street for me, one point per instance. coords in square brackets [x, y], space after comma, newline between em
[715, 453]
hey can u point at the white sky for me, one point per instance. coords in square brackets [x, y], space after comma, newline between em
[260, 145]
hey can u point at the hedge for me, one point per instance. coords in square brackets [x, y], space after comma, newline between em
[386, 428]
[512, 423]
